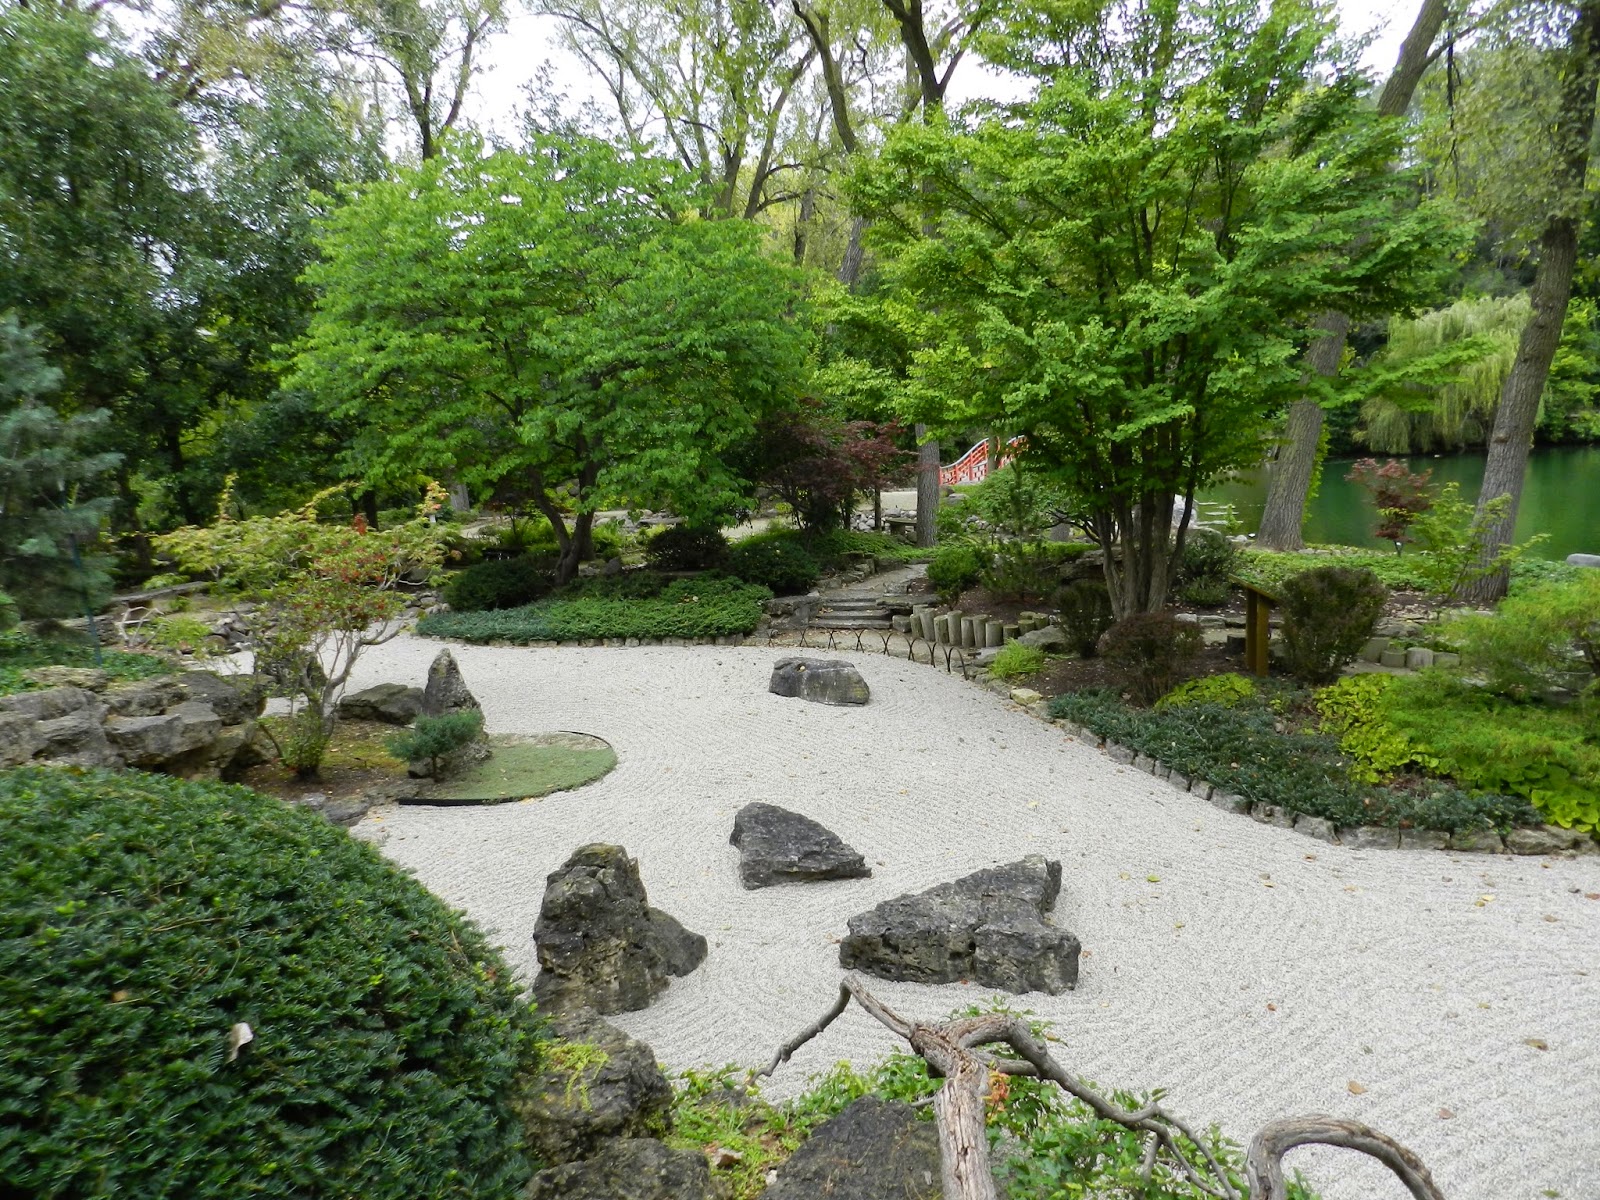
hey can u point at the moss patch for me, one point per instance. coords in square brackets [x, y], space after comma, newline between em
[526, 768]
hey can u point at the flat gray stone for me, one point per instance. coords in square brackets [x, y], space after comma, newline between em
[144, 697]
[1273, 814]
[1478, 841]
[822, 681]
[988, 927]
[1583, 560]
[198, 725]
[874, 1150]
[1119, 753]
[144, 741]
[389, 703]
[1318, 827]
[234, 698]
[779, 846]
[49, 703]
[1370, 837]
[77, 739]
[1424, 839]
[1051, 638]
[599, 943]
[1547, 839]
[1228, 802]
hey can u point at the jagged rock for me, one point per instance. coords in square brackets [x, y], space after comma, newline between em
[988, 927]
[144, 741]
[390, 703]
[144, 697]
[632, 1169]
[601, 1084]
[873, 1150]
[234, 698]
[446, 691]
[198, 725]
[90, 678]
[233, 750]
[50, 703]
[19, 739]
[779, 846]
[77, 739]
[600, 944]
[822, 681]
[1050, 637]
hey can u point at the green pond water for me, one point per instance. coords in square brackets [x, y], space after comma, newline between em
[1561, 498]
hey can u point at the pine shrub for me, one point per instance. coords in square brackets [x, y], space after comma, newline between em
[498, 583]
[1086, 614]
[1328, 615]
[432, 738]
[144, 919]
[686, 548]
[1152, 652]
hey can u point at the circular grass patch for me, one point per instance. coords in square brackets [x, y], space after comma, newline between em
[524, 768]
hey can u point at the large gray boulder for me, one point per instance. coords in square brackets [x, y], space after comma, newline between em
[873, 1150]
[49, 703]
[144, 741]
[77, 739]
[446, 691]
[234, 698]
[19, 739]
[144, 697]
[633, 1169]
[595, 1083]
[779, 846]
[390, 703]
[988, 927]
[600, 945]
[822, 681]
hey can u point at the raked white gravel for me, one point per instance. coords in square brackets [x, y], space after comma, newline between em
[1248, 970]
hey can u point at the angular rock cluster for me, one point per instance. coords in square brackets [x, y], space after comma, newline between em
[197, 725]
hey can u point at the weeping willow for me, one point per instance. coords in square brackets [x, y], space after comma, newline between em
[1419, 417]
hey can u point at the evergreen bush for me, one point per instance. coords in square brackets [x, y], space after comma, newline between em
[498, 583]
[1086, 614]
[145, 920]
[1151, 652]
[686, 548]
[778, 561]
[1328, 615]
[432, 738]
[954, 569]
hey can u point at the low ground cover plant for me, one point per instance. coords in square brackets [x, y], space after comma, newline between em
[1226, 689]
[637, 605]
[145, 922]
[21, 653]
[1271, 750]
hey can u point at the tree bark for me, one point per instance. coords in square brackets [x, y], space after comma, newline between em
[1507, 464]
[1290, 484]
[927, 487]
[1285, 512]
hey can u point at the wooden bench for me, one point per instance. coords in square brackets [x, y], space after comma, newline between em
[1258, 606]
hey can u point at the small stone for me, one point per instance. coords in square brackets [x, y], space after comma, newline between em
[1370, 837]
[1418, 657]
[822, 681]
[1424, 839]
[1119, 753]
[779, 846]
[1181, 782]
[1318, 827]
[1143, 762]
[1200, 788]
[1373, 651]
[1477, 841]
[1229, 802]
[19, 739]
[1273, 814]
[1025, 696]
[1049, 638]
[1547, 839]
[1393, 658]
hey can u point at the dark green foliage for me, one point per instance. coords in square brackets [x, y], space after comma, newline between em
[432, 738]
[1021, 571]
[954, 569]
[1207, 569]
[1328, 615]
[1205, 593]
[686, 548]
[1246, 749]
[142, 918]
[836, 547]
[21, 652]
[47, 475]
[778, 561]
[1152, 652]
[612, 608]
[1085, 614]
[499, 583]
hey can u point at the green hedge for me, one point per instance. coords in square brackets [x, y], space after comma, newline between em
[142, 917]
[621, 607]
[1247, 749]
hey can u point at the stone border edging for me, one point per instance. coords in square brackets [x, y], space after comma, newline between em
[1545, 839]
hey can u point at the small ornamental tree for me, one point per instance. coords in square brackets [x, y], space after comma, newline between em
[325, 593]
[818, 463]
[1399, 495]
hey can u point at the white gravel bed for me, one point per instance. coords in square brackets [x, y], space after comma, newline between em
[1250, 971]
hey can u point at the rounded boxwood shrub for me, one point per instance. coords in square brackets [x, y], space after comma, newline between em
[498, 583]
[776, 561]
[1328, 615]
[144, 918]
[686, 548]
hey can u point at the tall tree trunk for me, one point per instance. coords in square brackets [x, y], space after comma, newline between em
[1297, 461]
[927, 486]
[854, 252]
[1285, 513]
[1507, 463]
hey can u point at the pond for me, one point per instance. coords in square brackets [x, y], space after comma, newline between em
[1561, 498]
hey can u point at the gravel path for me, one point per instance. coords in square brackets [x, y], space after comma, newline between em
[1250, 971]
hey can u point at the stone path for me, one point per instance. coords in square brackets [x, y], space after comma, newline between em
[1448, 999]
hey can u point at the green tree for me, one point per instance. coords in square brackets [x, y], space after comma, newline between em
[47, 472]
[552, 327]
[1121, 267]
